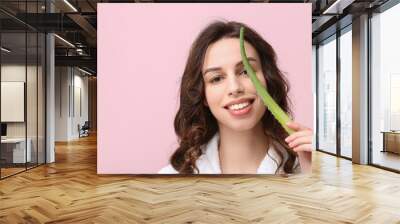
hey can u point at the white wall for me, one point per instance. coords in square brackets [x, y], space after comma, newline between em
[79, 117]
[70, 84]
[62, 80]
[15, 72]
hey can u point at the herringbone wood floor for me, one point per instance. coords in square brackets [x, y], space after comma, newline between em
[70, 191]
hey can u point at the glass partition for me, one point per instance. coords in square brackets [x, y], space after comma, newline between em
[13, 103]
[32, 95]
[22, 77]
[41, 88]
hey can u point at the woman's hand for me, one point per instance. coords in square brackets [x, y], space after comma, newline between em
[301, 142]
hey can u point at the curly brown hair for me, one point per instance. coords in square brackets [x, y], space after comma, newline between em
[194, 123]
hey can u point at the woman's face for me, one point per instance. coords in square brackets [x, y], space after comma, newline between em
[230, 94]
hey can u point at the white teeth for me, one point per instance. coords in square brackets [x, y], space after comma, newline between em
[239, 106]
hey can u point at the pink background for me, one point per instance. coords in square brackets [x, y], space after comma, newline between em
[142, 50]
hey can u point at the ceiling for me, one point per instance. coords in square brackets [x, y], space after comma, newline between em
[76, 22]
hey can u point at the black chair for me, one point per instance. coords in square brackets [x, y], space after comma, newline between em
[84, 130]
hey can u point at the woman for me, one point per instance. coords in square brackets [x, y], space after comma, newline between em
[222, 124]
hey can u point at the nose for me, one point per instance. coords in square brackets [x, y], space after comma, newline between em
[235, 87]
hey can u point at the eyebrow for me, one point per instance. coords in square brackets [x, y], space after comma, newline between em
[218, 68]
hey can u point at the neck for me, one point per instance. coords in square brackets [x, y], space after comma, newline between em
[242, 152]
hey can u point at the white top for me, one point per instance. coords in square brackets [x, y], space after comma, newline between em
[208, 162]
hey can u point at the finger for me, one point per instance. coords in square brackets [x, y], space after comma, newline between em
[304, 148]
[300, 141]
[296, 126]
[298, 134]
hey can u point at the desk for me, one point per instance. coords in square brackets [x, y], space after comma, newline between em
[16, 151]
[391, 141]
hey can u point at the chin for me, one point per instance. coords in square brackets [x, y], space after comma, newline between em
[241, 125]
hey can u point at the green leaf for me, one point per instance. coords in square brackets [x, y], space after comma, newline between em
[269, 102]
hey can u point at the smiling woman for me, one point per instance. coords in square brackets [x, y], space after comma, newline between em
[222, 124]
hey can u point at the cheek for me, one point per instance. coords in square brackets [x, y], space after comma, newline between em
[261, 78]
[249, 85]
[213, 96]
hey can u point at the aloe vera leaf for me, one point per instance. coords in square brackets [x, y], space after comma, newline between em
[269, 102]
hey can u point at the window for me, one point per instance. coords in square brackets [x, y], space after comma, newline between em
[385, 88]
[327, 95]
[346, 92]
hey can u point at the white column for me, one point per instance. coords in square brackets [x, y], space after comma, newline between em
[50, 100]
[50, 93]
[360, 90]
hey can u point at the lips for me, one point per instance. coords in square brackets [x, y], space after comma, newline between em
[239, 104]
[240, 110]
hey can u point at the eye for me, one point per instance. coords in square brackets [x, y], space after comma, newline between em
[216, 79]
[244, 72]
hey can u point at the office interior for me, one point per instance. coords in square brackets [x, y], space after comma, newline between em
[48, 81]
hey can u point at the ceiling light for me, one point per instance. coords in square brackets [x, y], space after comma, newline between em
[64, 40]
[84, 71]
[70, 5]
[5, 50]
[337, 7]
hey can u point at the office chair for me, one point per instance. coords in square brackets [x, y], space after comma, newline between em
[84, 130]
